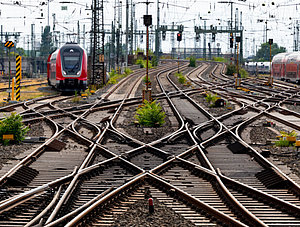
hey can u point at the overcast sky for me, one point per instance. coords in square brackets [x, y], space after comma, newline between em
[281, 18]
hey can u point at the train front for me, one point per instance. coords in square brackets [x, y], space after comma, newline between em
[73, 68]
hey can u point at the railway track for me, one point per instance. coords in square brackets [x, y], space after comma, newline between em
[96, 169]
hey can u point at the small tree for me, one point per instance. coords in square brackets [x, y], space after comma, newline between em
[230, 70]
[150, 114]
[181, 78]
[13, 125]
[154, 60]
[192, 61]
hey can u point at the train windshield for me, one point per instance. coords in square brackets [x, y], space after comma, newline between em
[71, 61]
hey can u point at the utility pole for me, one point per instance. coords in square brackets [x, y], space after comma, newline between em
[173, 39]
[33, 48]
[147, 23]
[127, 31]
[266, 31]
[97, 45]
[78, 32]
[131, 28]
[270, 82]
[157, 33]
[238, 76]
[204, 42]
[48, 22]
[113, 49]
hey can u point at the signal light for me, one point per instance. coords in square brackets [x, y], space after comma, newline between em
[179, 37]
[163, 35]
[231, 42]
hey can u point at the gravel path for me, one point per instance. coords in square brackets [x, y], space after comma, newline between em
[138, 215]
[287, 155]
[10, 152]
[215, 111]
[293, 107]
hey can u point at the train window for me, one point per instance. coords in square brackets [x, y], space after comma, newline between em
[71, 60]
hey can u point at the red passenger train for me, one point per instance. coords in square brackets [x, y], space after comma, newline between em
[67, 68]
[286, 66]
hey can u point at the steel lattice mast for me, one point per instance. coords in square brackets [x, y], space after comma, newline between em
[97, 74]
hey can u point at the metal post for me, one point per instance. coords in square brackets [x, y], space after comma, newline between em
[127, 31]
[231, 16]
[271, 78]
[266, 31]
[131, 28]
[48, 12]
[147, 57]
[12, 89]
[157, 33]
[204, 42]
[78, 32]
[9, 71]
[178, 55]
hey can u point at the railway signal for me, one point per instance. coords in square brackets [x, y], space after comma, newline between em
[179, 36]
[231, 40]
[270, 81]
[147, 23]
[238, 76]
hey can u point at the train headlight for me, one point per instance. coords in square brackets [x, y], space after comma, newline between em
[64, 73]
[78, 73]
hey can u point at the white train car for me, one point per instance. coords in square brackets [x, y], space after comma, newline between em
[258, 67]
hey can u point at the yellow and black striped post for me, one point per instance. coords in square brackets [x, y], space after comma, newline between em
[18, 76]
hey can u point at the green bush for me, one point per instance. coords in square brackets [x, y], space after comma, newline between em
[211, 98]
[143, 63]
[13, 125]
[112, 81]
[192, 61]
[154, 61]
[112, 73]
[244, 73]
[150, 114]
[127, 71]
[230, 70]
[181, 78]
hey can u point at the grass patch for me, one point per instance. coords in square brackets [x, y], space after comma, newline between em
[114, 77]
[219, 59]
[127, 71]
[31, 92]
